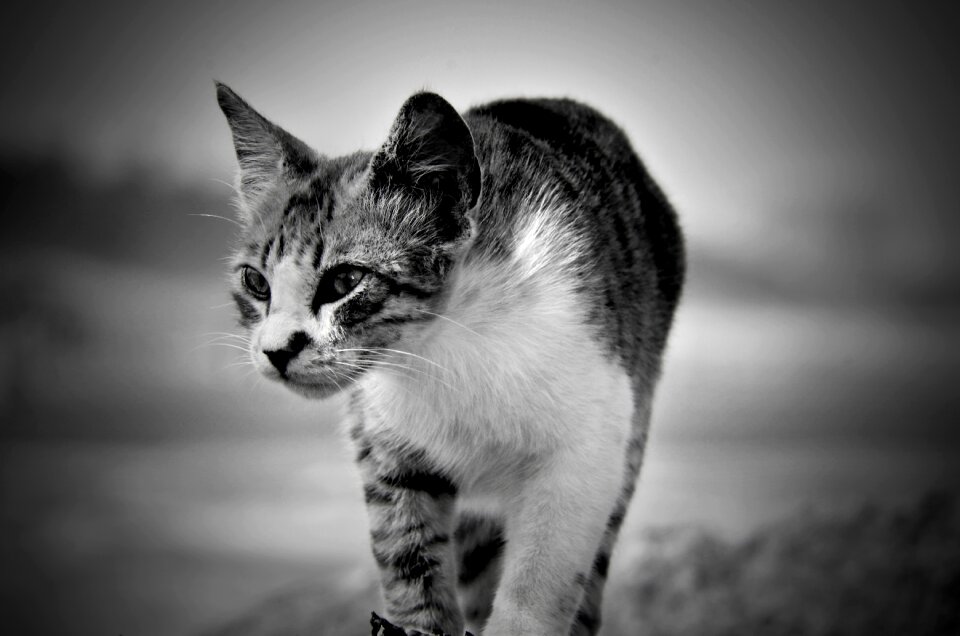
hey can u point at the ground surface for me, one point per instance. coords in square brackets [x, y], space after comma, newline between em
[871, 572]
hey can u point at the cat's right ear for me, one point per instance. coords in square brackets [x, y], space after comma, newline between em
[267, 154]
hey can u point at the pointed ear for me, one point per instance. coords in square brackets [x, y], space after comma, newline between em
[430, 151]
[267, 153]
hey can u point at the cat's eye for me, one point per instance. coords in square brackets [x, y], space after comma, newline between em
[255, 283]
[337, 283]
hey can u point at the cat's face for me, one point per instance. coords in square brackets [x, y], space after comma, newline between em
[343, 262]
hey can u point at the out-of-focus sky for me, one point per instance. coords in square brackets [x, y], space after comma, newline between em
[736, 101]
[150, 485]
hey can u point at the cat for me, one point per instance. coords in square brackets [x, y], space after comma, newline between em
[494, 292]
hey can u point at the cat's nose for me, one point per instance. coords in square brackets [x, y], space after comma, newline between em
[280, 358]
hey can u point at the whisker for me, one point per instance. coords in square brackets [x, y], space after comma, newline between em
[450, 320]
[381, 364]
[240, 363]
[217, 216]
[243, 344]
[388, 371]
[231, 339]
[377, 362]
[219, 344]
[229, 185]
[362, 365]
[333, 376]
[379, 349]
[374, 361]
[226, 340]
[226, 334]
[353, 365]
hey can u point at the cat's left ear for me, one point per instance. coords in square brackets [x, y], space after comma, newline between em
[430, 151]
[267, 153]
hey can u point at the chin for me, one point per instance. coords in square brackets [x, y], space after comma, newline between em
[315, 389]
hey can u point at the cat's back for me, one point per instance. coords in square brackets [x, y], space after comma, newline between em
[633, 246]
[564, 125]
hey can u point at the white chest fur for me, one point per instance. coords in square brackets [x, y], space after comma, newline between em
[510, 375]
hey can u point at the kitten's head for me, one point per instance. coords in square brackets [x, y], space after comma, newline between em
[343, 262]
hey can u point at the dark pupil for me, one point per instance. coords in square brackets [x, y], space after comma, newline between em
[345, 281]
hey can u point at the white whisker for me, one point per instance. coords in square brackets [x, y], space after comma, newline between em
[227, 334]
[220, 344]
[240, 363]
[450, 320]
[229, 185]
[407, 353]
[378, 362]
[330, 373]
[353, 365]
[388, 371]
[381, 364]
[217, 216]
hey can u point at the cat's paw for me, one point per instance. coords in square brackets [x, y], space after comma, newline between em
[383, 627]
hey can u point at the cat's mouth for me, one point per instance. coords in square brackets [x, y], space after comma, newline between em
[311, 374]
[317, 382]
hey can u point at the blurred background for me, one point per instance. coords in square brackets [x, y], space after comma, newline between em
[150, 483]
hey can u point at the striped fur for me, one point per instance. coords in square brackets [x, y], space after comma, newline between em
[513, 274]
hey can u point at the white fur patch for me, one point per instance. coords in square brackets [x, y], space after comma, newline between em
[512, 370]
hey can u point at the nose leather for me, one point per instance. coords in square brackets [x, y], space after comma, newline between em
[280, 358]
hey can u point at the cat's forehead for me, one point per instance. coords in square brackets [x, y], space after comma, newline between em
[315, 198]
[326, 216]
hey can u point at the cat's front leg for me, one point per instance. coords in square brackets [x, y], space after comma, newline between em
[411, 511]
[553, 531]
